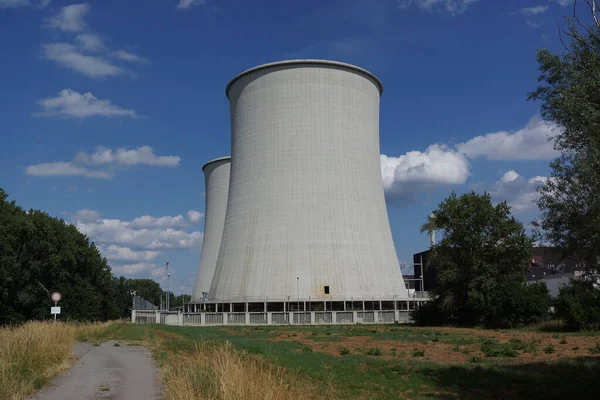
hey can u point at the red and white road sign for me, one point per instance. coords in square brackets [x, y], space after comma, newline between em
[56, 297]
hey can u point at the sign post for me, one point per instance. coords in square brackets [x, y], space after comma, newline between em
[56, 296]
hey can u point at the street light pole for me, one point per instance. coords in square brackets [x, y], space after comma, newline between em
[298, 292]
[168, 279]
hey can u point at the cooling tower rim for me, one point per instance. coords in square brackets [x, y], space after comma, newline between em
[308, 62]
[216, 160]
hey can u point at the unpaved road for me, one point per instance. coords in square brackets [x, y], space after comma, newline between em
[108, 371]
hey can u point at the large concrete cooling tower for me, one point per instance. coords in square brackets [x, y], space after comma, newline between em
[306, 215]
[216, 181]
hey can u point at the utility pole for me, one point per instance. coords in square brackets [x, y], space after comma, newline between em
[168, 279]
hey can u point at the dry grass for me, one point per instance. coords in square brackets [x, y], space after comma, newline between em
[34, 353]
[218, 371]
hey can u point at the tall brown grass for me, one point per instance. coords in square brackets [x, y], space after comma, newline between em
[217, 371]
[34, 353]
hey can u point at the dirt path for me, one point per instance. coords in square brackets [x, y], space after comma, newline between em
[112, 370]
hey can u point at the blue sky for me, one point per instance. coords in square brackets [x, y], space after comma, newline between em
[110, 108]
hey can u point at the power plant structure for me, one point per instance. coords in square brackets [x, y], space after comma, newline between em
[216, 189]
[305, 225]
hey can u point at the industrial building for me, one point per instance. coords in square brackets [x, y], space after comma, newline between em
[548, 264]
[216, 189]
[306, 225]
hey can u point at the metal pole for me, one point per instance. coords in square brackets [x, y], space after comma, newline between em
[54, 313]
[298, 293]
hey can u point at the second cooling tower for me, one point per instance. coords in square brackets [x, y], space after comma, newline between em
[306, 215]
[216, 178]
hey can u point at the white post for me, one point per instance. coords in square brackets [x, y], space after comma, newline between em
[55, 304]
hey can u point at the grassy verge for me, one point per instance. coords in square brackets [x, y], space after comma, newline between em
[34, 353]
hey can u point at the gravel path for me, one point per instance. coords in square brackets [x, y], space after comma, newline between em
[113, 370]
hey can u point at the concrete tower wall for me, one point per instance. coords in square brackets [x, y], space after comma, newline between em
[305, 195]
[216, 173]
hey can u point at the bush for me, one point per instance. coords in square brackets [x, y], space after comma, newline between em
[563, 341]
[307, 349]
[456, 349]
[578, 305]
[374, 352]
[575, 348]
[418, 353]
[493, 349]
[476, 360]
[549, 349]
[595, 349]
[344, 351]
[435, 339]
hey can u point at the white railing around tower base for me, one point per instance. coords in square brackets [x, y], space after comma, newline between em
[270, 318]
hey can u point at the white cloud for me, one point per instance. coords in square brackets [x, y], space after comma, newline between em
[70, 103]
[194, 216]
[416, 172]
[564, 3]
[184, 4]
[106, 161]
[87, 215]
[71, 57]
[532, 10]
[126, 234]
[530, 143]
[453, 7]
[132, 269]
[70, 18]
[519, 192]
[142, 155]
[147, 221]
[64, 169]
[120, 253]
[533, 24]
[127, 56]
[90, 42]
[23, 3]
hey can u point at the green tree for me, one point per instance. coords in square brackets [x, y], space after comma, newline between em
[481, 262]
[148, 289]
[39, 253]
[578, 304]
[569, 93]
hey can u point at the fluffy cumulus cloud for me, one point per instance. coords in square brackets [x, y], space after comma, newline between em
[133, 269]
[69, 103]
[76, 55]
[60, 168]
[23, 3]
[143, 155]
[453, 7]
[148, 221]
[185, 4]
[533, 142]
[90, 42]
[69, 18]
[194, 216]
[415, 172]
[127, 234]
[520, 193]
[102, 164]
[114, 252]
[132, 247]
[72, 57]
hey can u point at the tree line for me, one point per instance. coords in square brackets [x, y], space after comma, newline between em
[40, 254]
[484, 251]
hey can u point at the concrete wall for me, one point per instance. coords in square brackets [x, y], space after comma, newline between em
[216, 173]
[305, 195]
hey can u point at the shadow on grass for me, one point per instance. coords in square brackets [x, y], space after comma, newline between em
[579, 378]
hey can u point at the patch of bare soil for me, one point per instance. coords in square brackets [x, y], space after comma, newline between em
[575, 346]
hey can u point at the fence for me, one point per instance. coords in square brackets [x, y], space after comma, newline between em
[270, 318]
